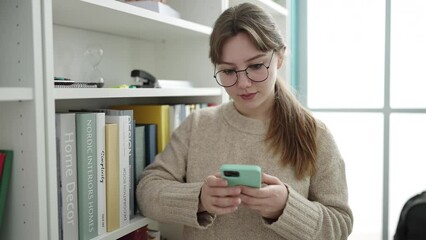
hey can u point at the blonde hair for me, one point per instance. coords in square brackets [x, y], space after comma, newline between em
[292, 129]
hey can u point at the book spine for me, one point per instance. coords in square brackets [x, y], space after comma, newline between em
[131, 125]
[140, 152]
[112, 177]
[123, 150]
[132, 158]
[100, 147]
[124, 171]
[67, 163]
[4, 181]
[172, 109]
[150, 143]
[87, 175]
[2, 157]
[139, 156]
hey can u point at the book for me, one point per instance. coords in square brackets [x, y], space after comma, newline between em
[87, 175]
[112, 177]
[132, 168]
[4, 181]
[140, 152]
[131, 150]
[150, 143]
[172, 122]
[66, 157]
[178, 116]
[115, 112]
[123, 153]
[139, 157]
[152, 114]
[2, 157]
[101, 180]
[138, 234]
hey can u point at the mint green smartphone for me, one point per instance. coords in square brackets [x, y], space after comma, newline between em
[241, 174]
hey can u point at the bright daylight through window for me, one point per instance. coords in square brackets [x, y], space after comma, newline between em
[366, 81]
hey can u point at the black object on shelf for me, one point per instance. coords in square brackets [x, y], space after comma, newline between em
[143, 79]
[68, 83]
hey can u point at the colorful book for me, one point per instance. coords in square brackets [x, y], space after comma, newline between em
[138, 234]
[66, 157]
[152, 114]
[87, 175]
[4, 181]
[150, 143]
[123, 150]
[112, 177]
[2, 157]
[100, 153]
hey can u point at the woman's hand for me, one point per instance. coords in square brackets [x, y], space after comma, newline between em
[269, 201]
[217, 198]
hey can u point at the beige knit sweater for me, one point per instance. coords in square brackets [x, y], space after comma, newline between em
[317, 206]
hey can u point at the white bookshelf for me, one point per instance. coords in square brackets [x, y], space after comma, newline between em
[22, 120]
[40, 39]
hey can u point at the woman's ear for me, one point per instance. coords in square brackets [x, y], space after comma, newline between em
[280, 55]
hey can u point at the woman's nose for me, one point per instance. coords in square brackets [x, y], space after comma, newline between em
[242, 80]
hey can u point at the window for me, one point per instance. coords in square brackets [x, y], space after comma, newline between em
[366, 80]
[408, 51]
[346, 54]
[359, 137]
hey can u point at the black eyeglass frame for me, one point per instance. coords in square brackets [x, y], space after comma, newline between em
[243, 70]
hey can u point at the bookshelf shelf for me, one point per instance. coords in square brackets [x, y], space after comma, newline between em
[15, 94]
[99, 93]
[123, 19]
[135, 224]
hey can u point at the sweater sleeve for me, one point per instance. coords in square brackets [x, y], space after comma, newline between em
[325, 214]
[163, 194]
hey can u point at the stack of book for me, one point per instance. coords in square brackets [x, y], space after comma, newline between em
[101, 155]
[94, 153]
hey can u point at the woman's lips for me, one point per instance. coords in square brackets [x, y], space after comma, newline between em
[248, 96]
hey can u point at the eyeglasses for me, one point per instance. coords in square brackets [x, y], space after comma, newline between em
[256, 73]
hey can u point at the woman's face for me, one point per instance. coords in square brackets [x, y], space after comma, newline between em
[252, 99]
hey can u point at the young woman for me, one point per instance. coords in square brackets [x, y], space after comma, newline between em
[304, 192]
